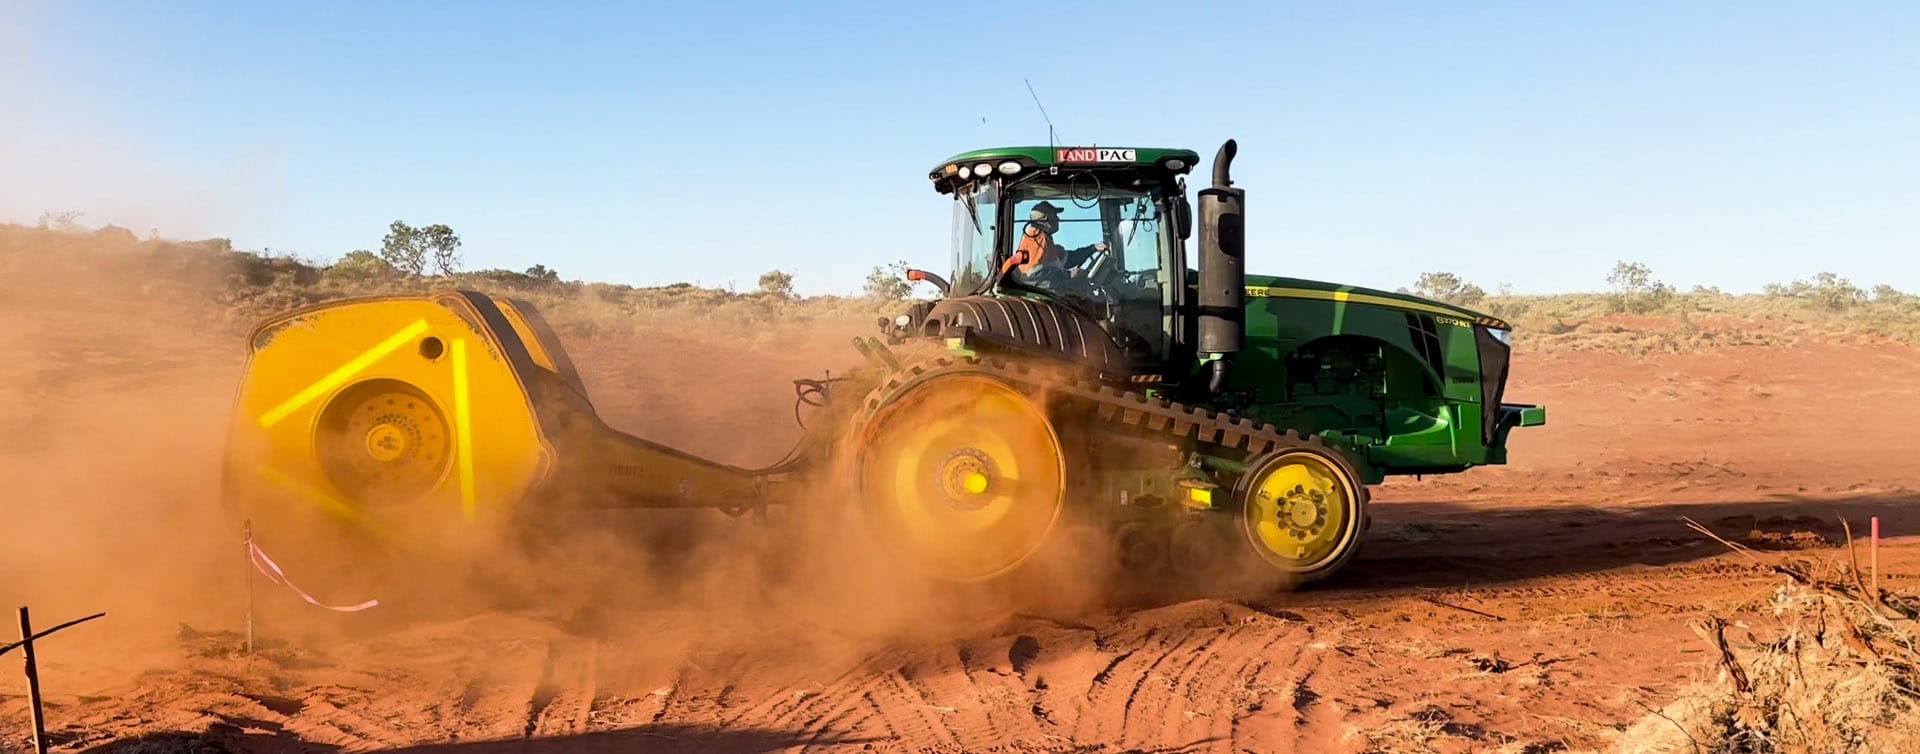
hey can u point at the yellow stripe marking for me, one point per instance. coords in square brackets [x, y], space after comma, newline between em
[1344, 297]
[318, 499]
[462, 428]
[321, 500]
[345, 372]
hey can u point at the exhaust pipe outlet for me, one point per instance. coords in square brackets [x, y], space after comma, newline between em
[1223, 266]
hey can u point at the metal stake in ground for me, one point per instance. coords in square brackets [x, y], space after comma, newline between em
[247, 573]
[33, 683]
[27, 637]
[1873, 557]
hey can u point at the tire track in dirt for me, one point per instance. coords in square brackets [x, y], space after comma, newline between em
[1114, 696]
[926, 703]
[500, 702]
[1701, 583]
[993, 700]
[1214, 691]
[351, 727]
[1285, 712]
[564, 700]
[843, 705]
[1160, 707]
[776, 704]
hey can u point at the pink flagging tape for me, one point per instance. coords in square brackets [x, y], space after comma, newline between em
[273, 573]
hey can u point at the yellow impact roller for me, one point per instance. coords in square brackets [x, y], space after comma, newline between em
[427, 422]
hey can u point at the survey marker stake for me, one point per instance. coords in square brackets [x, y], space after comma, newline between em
[25, 644]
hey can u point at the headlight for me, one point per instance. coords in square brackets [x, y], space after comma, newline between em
[1504, 336]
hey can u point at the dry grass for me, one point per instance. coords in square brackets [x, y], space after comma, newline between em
[1837, 669]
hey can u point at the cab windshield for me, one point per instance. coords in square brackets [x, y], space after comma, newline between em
[973, 221]
[1102, 244]
[1088, 242]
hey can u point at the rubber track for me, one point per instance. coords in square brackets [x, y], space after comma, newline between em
[1116, 406]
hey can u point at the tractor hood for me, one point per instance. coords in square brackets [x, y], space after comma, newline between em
[1264, 286]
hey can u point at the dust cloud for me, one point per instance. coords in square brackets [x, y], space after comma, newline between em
[113, 393]
[115, 382]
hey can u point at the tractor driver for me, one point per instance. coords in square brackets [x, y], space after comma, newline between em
[1042, 263]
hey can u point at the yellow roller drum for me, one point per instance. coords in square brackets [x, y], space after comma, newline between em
[401, 418]
[963, 475]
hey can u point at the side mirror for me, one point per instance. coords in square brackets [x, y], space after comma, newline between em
[923, 276]
[1183, 217]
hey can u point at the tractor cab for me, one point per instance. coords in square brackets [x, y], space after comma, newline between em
[1075, 250]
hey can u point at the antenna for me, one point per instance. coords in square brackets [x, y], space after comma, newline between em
[1052, 135]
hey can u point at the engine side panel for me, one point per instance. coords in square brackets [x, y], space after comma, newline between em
[1401, 386]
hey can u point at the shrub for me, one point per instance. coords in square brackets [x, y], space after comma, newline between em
[889, 282]
[1635, 289]
[1448, 287]
[777, 283]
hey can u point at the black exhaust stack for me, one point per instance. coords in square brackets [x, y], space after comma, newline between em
[1223, 267]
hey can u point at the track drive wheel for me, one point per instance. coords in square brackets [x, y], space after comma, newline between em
[1303, 509]
[962, 475]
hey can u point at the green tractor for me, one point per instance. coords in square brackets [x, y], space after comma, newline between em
[1090, 374]
[1076, 375]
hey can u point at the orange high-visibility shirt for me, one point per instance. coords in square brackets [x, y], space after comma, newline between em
[1038, 245]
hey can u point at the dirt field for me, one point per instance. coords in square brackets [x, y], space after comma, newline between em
[1535, 608]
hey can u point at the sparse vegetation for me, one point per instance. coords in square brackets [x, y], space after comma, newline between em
[777, 283]
[889, 282]
[1838, 672]
[1828, 290]
[410, 249]
[1635, 289]
[1639, 315]
[542, 273]
[1448, 287]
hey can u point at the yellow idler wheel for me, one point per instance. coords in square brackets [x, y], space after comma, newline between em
[962, 475]
[1302, 510]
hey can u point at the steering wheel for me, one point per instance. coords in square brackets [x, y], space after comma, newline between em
[1095, 273]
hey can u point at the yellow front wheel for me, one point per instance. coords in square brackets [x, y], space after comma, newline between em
[1303, 508]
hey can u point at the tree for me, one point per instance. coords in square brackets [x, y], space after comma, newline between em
[777, 282]
[409, 249]
[60, 221]
[1629, 278]
[1835, 292]
[1827, 289]
[401, 248]
[889, 282]
[445, 247]
[543, 273]
[1446, 286]
[1635, 290]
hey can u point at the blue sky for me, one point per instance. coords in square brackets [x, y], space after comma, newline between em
[1533, 144]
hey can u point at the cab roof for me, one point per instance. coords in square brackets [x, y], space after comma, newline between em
[961, 168]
